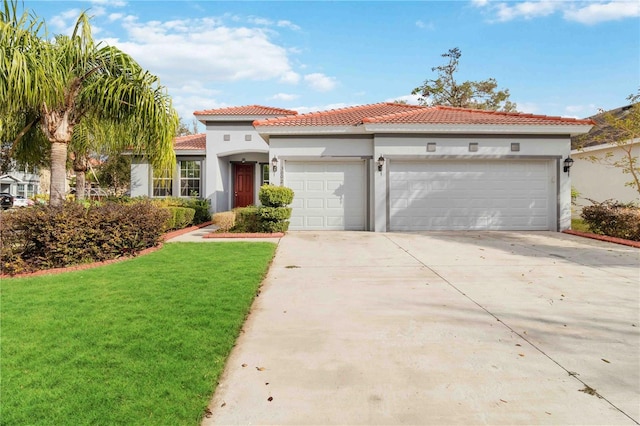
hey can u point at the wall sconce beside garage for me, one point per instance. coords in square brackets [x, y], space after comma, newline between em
[473, 147]
[515, 147]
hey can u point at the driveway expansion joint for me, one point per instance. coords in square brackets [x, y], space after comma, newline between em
[572, 374]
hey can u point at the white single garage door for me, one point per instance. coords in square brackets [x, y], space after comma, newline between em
[467, 195]
[328, 195]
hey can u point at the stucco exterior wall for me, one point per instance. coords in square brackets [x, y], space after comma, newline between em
[243, 142]
[140, 178]
[599, 181]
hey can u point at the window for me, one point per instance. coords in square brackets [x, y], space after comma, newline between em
[32, 189]
[265, 173]
[21, 190]
[189, 178]
[162, 184]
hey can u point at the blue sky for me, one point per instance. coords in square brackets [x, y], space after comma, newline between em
[566, 58]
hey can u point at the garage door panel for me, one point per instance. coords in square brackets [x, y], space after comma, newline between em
[332, 195]
[509, 194]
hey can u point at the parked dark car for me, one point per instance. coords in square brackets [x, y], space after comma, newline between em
[6, 200]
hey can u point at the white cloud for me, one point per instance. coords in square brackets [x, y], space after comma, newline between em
[284, 97]
[601, 12]
[115, 16]
[428, 25]
[206, 50]
[585, 12]
[320, 82]
[64, 22]
[288, 24]
[526, 10]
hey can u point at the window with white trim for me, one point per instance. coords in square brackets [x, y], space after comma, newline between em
[190, 178]
[265, 174]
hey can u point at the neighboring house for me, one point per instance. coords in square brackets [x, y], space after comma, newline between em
[392, 167]
[21, 183]
[592, 174]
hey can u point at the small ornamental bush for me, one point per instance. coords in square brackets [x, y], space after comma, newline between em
[180, 217]
[201, 206]
[247, 219]
[44, 237]
[224, 220]
[613, 219]
[275, 196]
[270, 214]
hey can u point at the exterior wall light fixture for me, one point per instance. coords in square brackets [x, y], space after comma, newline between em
[568, 162]
[274, 164]
[380, 163]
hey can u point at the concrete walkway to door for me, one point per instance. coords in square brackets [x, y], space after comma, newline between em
[439, 328]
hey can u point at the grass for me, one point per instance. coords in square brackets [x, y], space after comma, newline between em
[579, 225]
[138, 342]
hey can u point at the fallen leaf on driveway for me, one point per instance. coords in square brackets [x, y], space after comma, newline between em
[503, 400]
[605, 360]
[223, 404]
[270, 399]
[260, 368]
[518, 344]
[521, 354]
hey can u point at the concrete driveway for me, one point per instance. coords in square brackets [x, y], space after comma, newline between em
[439, 328]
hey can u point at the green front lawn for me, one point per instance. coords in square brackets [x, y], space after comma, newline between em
[579, 225]
[138, 342]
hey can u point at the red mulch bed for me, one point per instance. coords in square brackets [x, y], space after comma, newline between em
[604, 238]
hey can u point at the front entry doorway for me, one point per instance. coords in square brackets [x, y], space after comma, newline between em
[243, 185]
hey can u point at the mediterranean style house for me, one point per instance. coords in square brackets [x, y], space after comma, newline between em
[381, 167]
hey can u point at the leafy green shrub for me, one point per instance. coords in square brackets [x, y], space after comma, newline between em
[613, 219]
[274, 213]
[247, 219]
[180, 217]
[201, 206]
[43, 237]
[276, 226]
[275, 196]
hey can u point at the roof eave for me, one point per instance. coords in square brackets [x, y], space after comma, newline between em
[190, 152]
[568, 129]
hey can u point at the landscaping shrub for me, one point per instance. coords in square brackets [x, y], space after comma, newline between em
[275, 196]
[270, 214]
[43, 237]
[247, 220]
[273, 215]
[201, 207]
[224, 220]
[275, 226]
[180, 217]
[613, 219]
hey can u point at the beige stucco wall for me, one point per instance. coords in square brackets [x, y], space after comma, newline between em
[598, 181]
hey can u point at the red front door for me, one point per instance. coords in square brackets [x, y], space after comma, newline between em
[243, 185]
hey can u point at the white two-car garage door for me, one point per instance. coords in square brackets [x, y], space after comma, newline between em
[466, 195]
[328, 195]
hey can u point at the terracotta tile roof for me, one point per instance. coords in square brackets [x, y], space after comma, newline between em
[349, 116]
[247, 110]
[451, 115]
[190, 142]
[390, 113]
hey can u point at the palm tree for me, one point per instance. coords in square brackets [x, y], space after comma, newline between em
[58, 85]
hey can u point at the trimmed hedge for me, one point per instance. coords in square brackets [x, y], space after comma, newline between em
[44, 237]
[180, 217]
[613, 219]
[201, 206]
[275, 196]
[247, 220]
[270, 214]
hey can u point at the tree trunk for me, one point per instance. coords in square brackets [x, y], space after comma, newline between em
[80, 168]
[58, 187]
